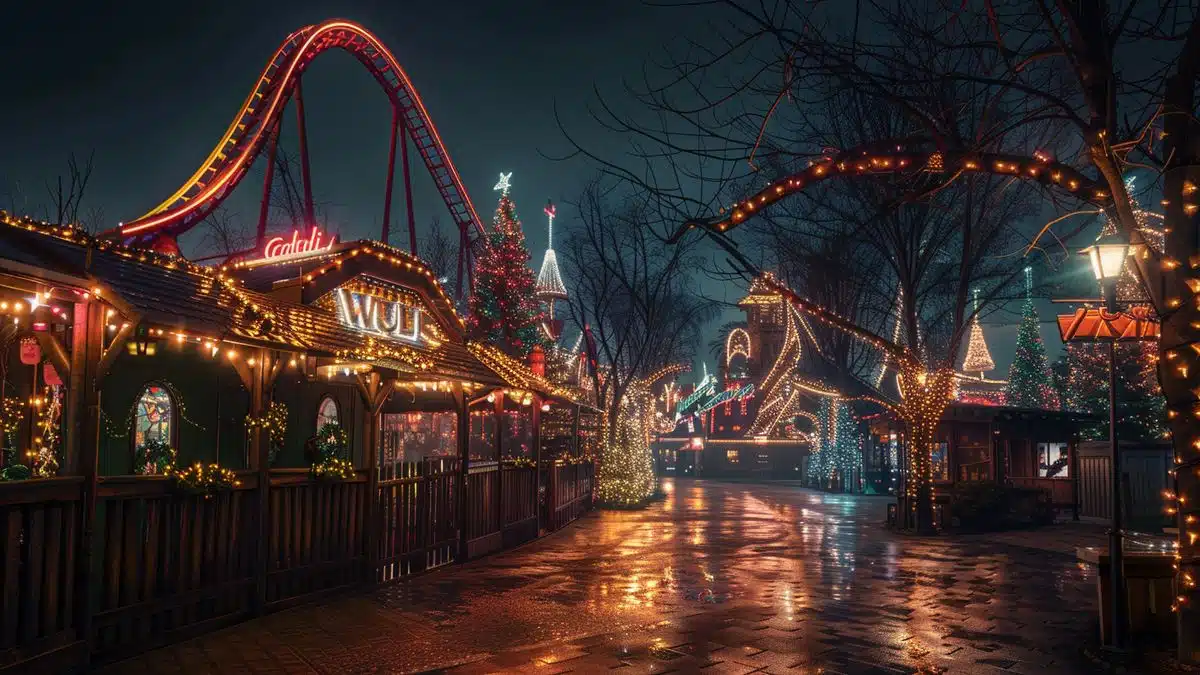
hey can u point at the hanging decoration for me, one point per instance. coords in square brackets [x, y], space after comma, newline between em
[331, 462]
[155, 457]
[31, 351]
[274, 422]
[44, 453]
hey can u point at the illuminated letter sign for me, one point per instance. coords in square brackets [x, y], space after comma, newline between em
[295, 247]
[382, 317]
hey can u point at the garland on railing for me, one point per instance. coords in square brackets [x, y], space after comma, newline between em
[154, 457]
[330, 462]
[202, 479]
[274, 421]
[13, 468]
[520, 462]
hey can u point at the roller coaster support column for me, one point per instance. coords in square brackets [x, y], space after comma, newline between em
[260, 237]
[408, 203]
[391, 176]
[305, 173]
[462, 252]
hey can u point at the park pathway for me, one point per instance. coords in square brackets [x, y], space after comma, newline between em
[716, 578]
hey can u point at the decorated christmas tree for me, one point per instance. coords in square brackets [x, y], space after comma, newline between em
[839, 452]
[1030, 384]
[504, 308]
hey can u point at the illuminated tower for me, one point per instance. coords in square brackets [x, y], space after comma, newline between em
[550, 287]
[978, 359]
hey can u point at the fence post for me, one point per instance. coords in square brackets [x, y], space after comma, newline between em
[463, 437]
[260, 462]
[537, 463]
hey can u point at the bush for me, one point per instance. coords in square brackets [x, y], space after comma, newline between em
[988, 506]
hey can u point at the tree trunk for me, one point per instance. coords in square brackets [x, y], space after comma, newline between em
[925, 399]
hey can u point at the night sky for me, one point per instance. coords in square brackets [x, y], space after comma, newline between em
[150, 86]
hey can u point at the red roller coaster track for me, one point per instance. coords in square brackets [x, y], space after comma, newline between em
[256, 127]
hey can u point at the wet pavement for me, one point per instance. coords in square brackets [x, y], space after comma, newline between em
[716, 578]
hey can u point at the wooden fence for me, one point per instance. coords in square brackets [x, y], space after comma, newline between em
[159, 565]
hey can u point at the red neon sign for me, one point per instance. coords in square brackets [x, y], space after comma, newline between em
[283, 249]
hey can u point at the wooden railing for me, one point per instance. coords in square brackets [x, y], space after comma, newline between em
[163, 565]
[418, 518]
[316, 534]
[169, 563]
[40, 526]
[569, 493]
[1060, 490]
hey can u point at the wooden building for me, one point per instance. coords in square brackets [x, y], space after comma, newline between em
[453, 449]
[1018, 447]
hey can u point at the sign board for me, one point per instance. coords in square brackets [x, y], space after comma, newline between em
[387, 318]
[727, 395]
[295, 247]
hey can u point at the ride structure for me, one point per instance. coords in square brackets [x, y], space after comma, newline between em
[256, 127]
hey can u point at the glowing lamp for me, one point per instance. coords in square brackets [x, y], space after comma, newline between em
[1107, 256]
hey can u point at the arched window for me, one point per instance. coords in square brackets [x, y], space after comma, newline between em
[154, 416]
[327, 412]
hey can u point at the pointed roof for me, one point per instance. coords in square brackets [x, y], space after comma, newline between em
[550, 285]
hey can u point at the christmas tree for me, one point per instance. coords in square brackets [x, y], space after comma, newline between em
[504, 307]
[1030, 384]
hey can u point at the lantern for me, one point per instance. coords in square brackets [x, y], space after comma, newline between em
[50, 375]
[31, 352]
[537, 361]
[1107, 256]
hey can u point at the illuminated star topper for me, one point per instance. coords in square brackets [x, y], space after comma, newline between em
[505, 182]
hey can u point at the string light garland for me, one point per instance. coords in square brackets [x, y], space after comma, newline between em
[208, 480]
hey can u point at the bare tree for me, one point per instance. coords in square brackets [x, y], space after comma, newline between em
[66, 195]
[224, 234]
[632, 292]
[438, 251]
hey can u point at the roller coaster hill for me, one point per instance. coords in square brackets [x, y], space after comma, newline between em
[254, 133]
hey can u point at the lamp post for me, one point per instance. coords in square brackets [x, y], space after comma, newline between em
[1107, 256]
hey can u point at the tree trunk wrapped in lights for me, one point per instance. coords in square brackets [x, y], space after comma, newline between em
[925, 399]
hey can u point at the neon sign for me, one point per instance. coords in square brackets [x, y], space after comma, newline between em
[381, 317]
[284, 249]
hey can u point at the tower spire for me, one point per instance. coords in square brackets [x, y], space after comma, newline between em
[550, 286]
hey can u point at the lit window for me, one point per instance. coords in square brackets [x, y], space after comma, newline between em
[940, 461]
[731, 456]
[1053, 460]
[154, 415]
[327, 412]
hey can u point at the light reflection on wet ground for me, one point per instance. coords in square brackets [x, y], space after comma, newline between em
[714, 578]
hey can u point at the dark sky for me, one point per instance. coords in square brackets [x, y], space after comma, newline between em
[150, 86]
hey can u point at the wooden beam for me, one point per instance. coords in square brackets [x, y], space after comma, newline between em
[114, 348]
[382, 396]
[463, 438]
[53, 350]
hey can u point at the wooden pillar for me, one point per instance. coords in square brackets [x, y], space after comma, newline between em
[376, 396]
[73, 411]
[499, 410]
[537, 461]
[255, 380]
[89, 338]
[463, 438]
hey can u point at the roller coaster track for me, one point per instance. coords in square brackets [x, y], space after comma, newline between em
[260, 116]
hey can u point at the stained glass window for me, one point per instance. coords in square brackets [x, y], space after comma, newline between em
[327, 412]
[155, 414]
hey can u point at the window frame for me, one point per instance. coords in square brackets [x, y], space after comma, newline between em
[1037, 459]
[337, 408]
[173, 414]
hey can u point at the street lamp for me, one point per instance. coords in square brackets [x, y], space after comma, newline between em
[1107, 256]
